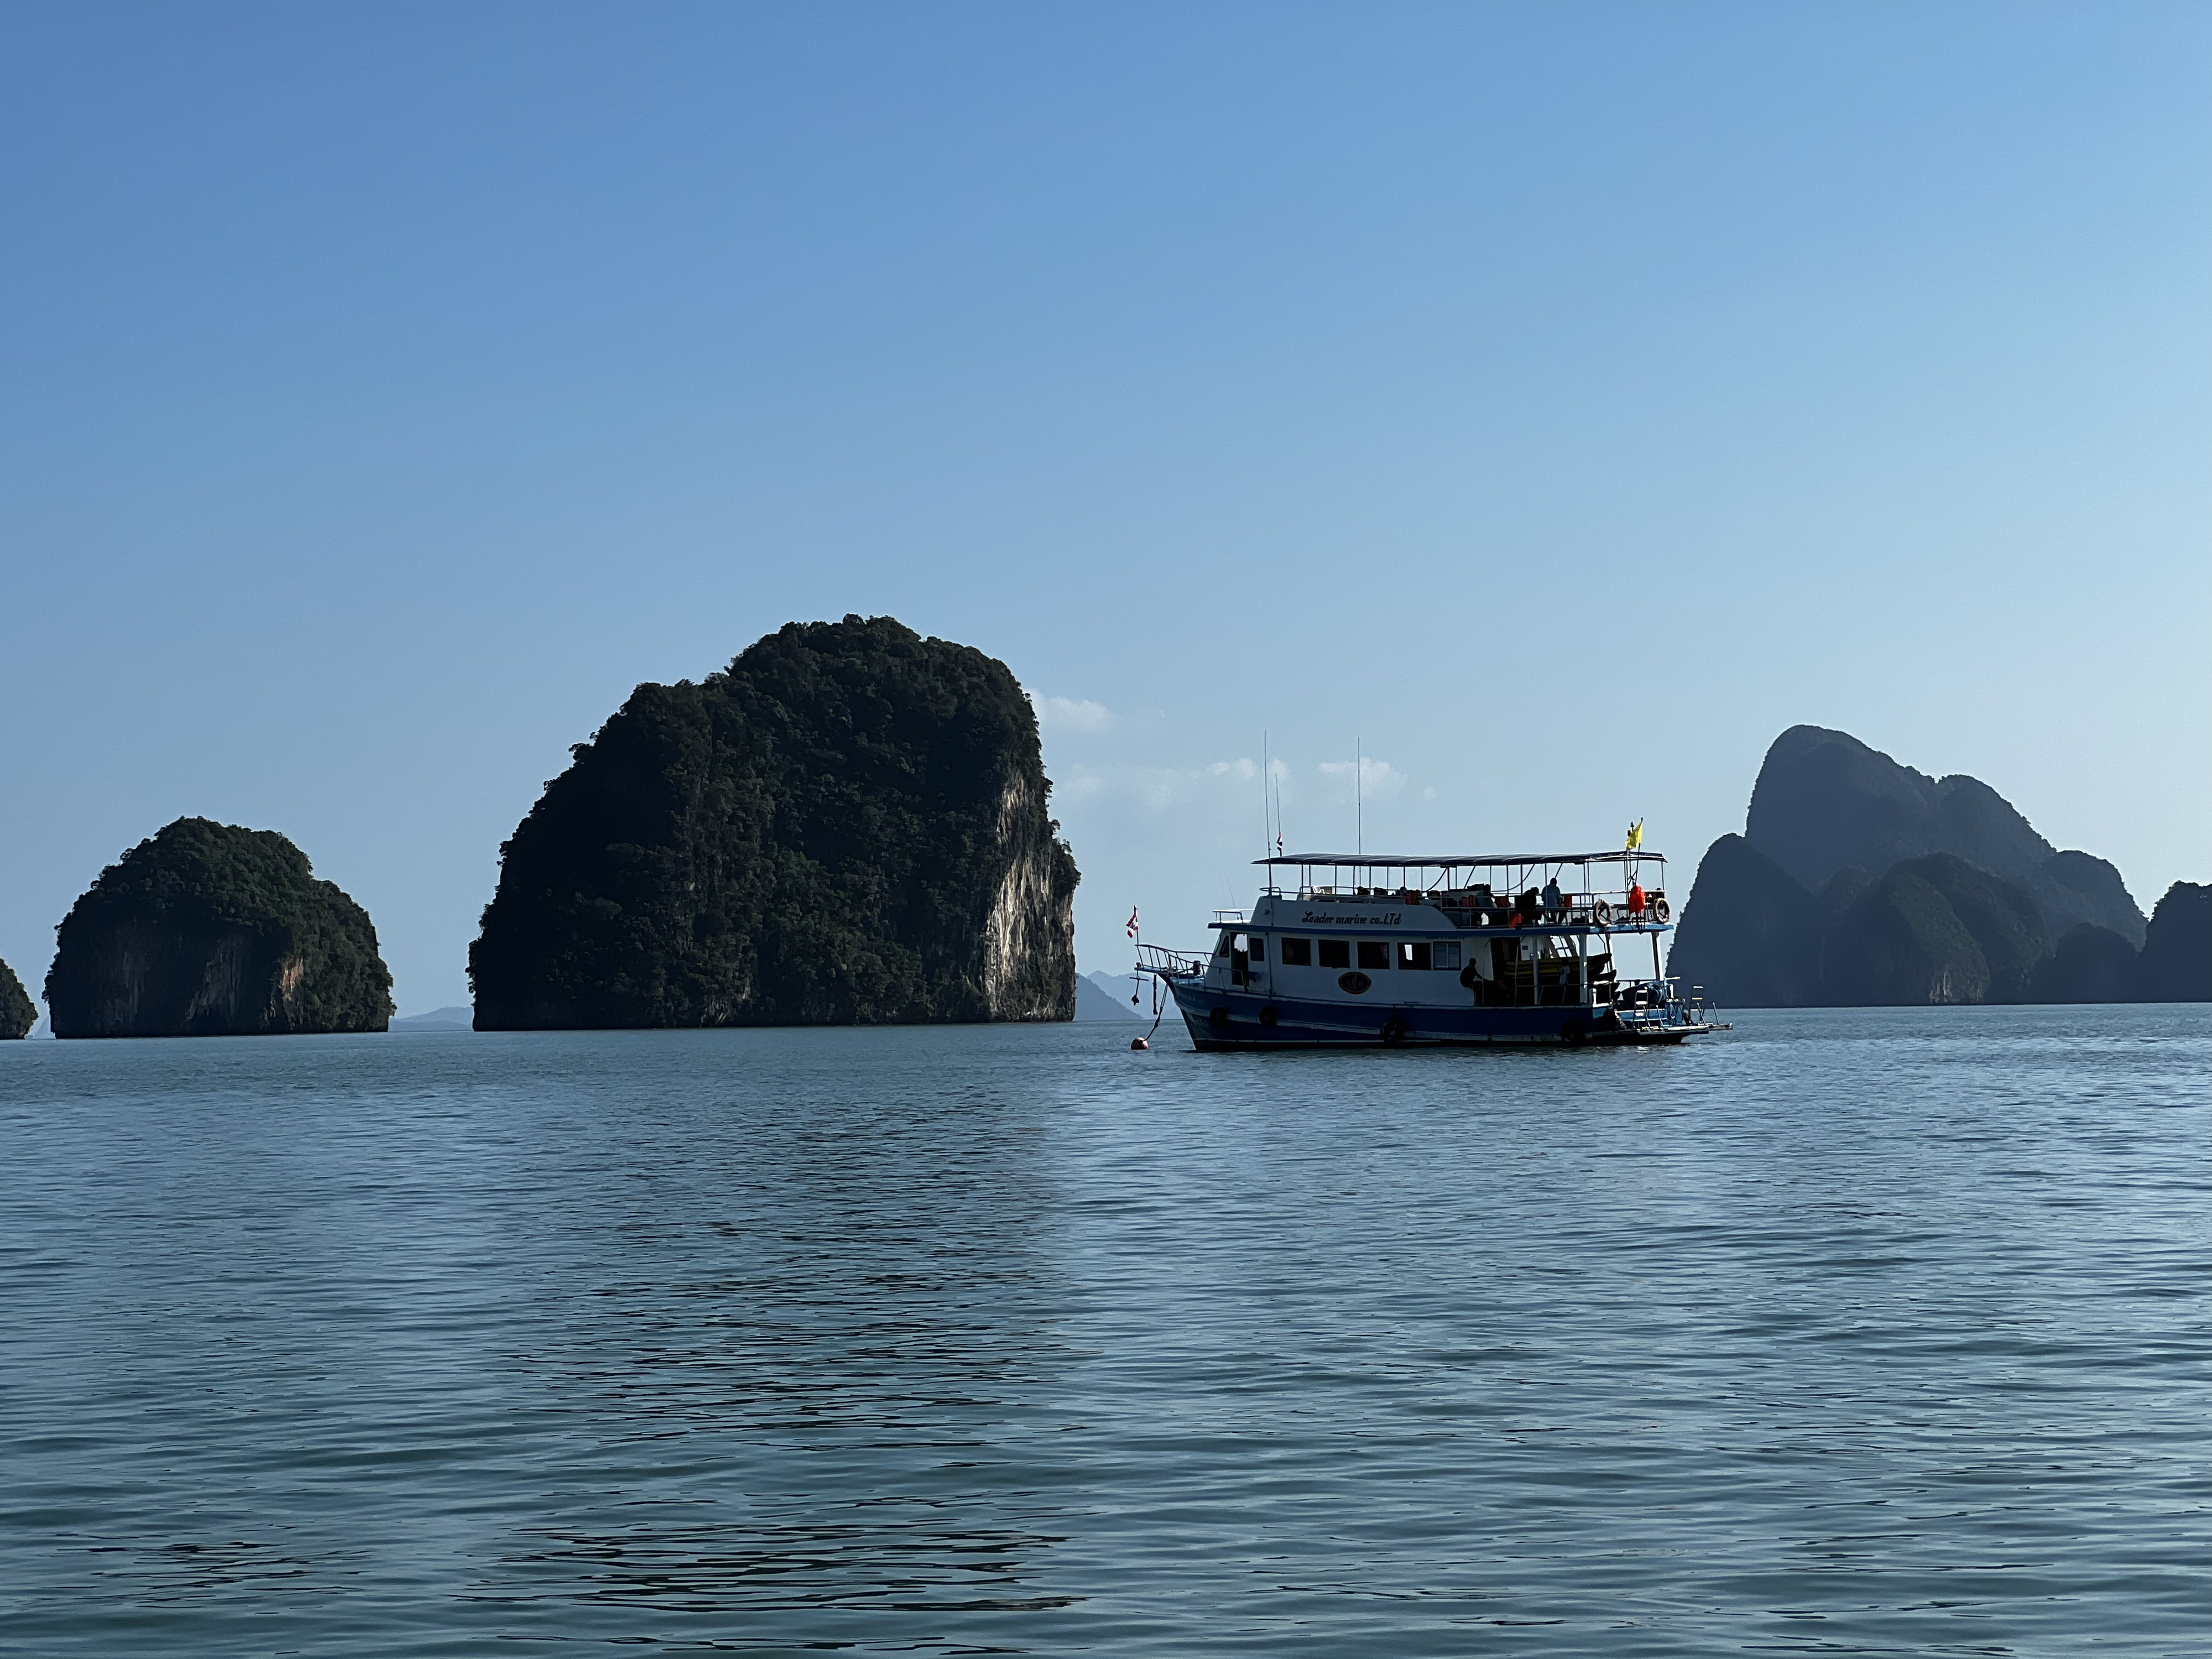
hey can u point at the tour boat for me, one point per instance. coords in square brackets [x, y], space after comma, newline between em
[1515, 948]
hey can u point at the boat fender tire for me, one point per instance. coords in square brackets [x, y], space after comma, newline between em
[1268, 1017]
[1218, 1020]
[1662, 910]
[1394, 1030]
[1573, 1032]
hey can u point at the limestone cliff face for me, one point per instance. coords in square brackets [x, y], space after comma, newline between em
[848, 825]
[1029, 940]
[210, 930]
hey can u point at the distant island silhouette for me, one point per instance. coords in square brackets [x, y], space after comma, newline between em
[18, 1014]
[208, 929]
[1860, 882]
[848, 825]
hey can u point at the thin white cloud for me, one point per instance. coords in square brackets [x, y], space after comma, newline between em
[1069, 714]
[1379, 779]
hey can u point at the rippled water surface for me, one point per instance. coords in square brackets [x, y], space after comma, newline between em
[1869, 1332]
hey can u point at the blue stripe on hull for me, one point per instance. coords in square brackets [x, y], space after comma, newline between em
[1306, 1023]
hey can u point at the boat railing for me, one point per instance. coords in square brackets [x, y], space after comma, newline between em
[1575, 913]
[1663, 1002]
[1566, 918]
[1167, 963]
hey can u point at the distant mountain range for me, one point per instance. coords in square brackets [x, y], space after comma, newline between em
[1106, 996]
[438, 1019]
[1860, 881]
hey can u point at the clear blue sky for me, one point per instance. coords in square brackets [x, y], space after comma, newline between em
[1564, 399]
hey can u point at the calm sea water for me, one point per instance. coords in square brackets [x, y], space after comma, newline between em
[1869, 1332]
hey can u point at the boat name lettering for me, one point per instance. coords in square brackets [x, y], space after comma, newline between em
[1380, 919]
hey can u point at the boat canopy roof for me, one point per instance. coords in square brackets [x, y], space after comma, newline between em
[1459, 860]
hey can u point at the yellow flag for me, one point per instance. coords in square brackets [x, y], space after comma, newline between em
[1635, 835]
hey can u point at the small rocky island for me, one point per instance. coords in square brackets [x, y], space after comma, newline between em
[211, 929]
[1860, 882]
[848, 825]
[18, 1014]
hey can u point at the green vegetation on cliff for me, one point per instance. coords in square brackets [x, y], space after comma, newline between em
[847, 825]
[18, 1014]
[208, 929]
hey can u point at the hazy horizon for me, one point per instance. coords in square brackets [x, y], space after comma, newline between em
[1553, 403]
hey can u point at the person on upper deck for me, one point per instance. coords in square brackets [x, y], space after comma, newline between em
[1552, 899]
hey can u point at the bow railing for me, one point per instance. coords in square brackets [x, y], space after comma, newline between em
[1168, 964]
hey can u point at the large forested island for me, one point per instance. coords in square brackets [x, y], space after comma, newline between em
[1860, 881]
[211, 929]
[847, 826]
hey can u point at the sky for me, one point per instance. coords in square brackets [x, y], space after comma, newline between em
[1551, 403]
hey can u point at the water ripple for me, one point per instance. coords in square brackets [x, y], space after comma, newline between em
[1851, 1332]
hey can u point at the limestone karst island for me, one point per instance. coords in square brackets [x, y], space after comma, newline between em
[18, 1014]
[848, 825]
[209, 930]
[1858, 881]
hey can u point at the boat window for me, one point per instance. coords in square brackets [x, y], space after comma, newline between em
[1446, 955]
[1335, 952]
[1225, 942]
[1374, 953]
[1297, 953]
[1413, 953]
[1258, 946]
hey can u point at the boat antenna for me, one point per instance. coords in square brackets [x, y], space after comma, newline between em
[1359, 796]
[1279, 817]
[1266, 819]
